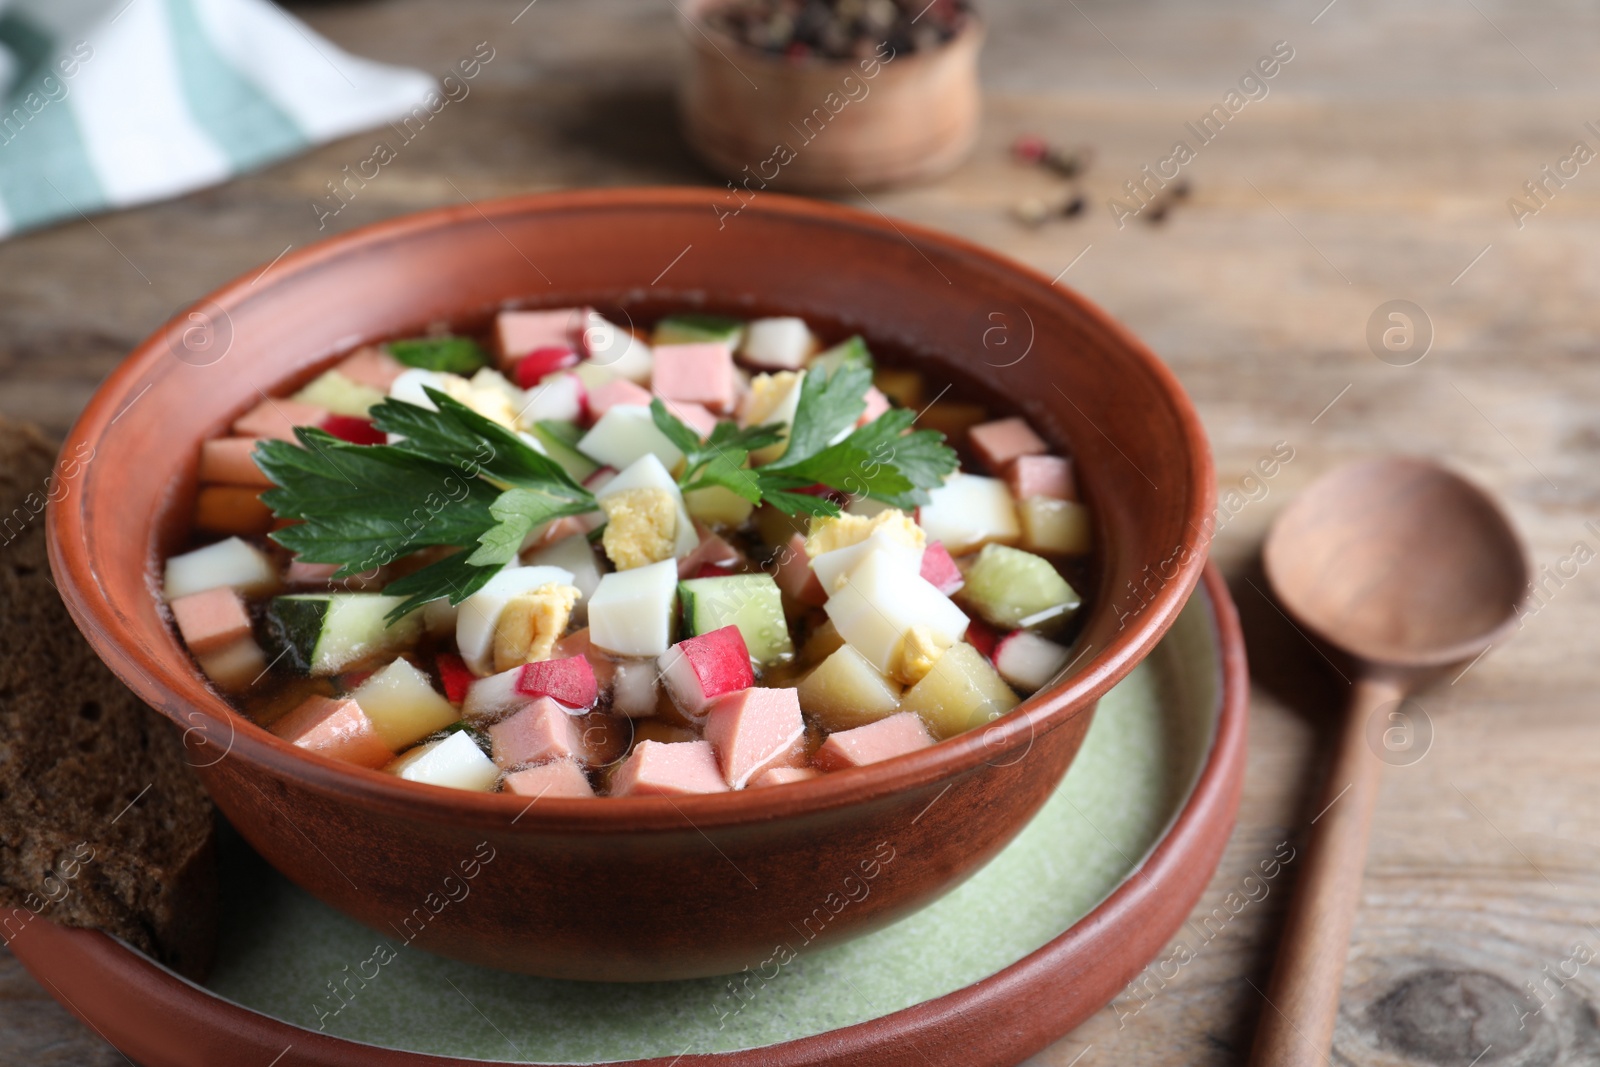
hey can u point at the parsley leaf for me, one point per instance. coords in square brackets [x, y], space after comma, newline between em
[458, 436]
[454, 577]
[720, 458]
[829, 405]
[517, 513]
[455, 355]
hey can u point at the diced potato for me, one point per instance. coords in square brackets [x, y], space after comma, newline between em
[715, 505]
[335, 393]
[969, 511]
[904, 387]
[961, 691]
[403, 705]
[232, 563]
[845, 691]
[1057, 527]
[231, 509]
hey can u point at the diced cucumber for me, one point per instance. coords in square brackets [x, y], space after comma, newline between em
[751, 602]
[1012, 588]
[851, 353]
[692, 329]
[560, 440]
[454, 355]
[337, 394]
[325, 633]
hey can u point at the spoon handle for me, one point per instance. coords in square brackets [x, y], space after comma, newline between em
[1296, 1027]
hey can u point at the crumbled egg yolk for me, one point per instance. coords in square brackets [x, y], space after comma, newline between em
[486, 398]
[531, 623]
[641, 527]
[772, 398]
[920, 649]
[841, 531]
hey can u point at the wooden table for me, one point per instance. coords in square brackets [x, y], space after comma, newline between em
[1377, 168]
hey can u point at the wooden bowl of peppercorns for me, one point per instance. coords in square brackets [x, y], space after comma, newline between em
[826, 96]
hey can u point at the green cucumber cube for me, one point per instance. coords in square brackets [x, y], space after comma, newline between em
[694, 329]
[1012, 588]
[326, 633]
[751, 602]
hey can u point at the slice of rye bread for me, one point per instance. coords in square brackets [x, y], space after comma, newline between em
[103, 822]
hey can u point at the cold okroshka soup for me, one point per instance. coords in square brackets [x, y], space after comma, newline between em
[558, 557]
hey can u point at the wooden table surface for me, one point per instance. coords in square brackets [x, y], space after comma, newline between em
[1377, 168]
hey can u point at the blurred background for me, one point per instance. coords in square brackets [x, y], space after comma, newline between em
[1385, 160]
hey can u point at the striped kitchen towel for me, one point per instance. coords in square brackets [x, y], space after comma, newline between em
[108, 103]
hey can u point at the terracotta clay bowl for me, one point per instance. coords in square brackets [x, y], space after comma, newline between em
[636, 888]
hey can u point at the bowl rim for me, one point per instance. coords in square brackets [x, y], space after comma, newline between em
[186, 698]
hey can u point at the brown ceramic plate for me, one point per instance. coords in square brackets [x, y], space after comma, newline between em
[162, 1020]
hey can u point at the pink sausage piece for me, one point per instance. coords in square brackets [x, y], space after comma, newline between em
[558, 778]
[873, 743]
[228, 461]
[877, 404]
[694, 416]
[604, 397]
[754, 730]
[540, 732]
[712, 551]
[795, 576]
[696, 374]
[277, 419]
[1049, 476]
[783, 776]
[211, 620]
[669, 768]
[519, 332]
[998, 443]
[373, 367]
[335, 728]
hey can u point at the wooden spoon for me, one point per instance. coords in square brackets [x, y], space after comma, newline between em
[1408, 570]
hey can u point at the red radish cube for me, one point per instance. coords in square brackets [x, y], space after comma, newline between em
[700, 669]
[338, 729]
[519, 332]
[939, 570]
[998, 443]
[455, 677]
[715, 570]
[694, 416]
[577, 643]
[1028, 661]
[669, 768]
[211, 620]
[783, 776]
[602, 398]
[877, 404]
[894, 736]
[371, 367]
[570, 681]
[795, 576]
[494, 697]
[277, 419]
[982, 636]
[303, 575]
[558, 778]
[541, 361]
[355, 430]
[696, 374]
[1049, 476]
[712, 551]
[754, 730]
[539, 732]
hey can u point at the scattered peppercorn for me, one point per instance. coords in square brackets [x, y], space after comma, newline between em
[839, 29]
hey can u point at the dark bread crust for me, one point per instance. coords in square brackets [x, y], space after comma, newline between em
[103, 822]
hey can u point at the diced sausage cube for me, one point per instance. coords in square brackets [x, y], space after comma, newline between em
[277, 419]
[228, 461]
[371, 366]
[338, 729]
[604, 397]
[877, 404]
[696, 374]
[873, 743]
[694, 416]
[998, 443]
[540, 732]
[212, 620]
[795, 576]
[754, 730]
[231, 509]
[783, 776]
[1049, 476]
[712, 551]
[519, 332]
[665, 769]
[558, 778]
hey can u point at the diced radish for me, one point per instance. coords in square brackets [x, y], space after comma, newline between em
[569, 681]
[626, 433]
[557, 397]
[633, 687]
[212, 620]
[669, 769]
[558, 778]
[277, 419]
[940, 570]
[1028, 661]
[338, 729]
[403, 705]
[998, 443]
[454, 676]
[982, 637]
[698, 670]
[878, 603]
[754, 730]
[631, 612]
[795, 576]
[873, 743]
[542, 361]
[478, 614]
[647, 473]
[455, 761]
[615, 349]
[356, 431]
[695, 374]
[969, 511]
[714, 570]
[777, 343]
[712, 552]
[541, 731]
[231, 562]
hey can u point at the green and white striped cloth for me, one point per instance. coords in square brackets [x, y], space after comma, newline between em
[109, 103]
